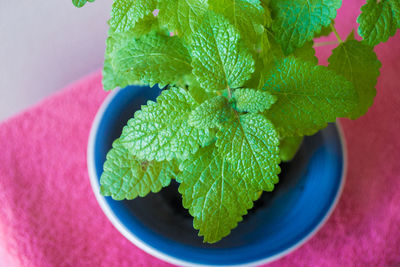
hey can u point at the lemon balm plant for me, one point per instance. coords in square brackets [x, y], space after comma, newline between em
[241, 87]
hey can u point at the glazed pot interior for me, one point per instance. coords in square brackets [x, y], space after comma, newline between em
[280, 220]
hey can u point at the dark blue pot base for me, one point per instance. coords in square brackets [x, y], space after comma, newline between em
[280, 220]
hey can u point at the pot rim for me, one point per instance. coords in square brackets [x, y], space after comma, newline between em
[168, 258]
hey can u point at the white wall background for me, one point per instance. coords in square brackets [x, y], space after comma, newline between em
[44, 45]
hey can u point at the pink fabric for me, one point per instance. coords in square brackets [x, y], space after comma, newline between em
[49, 216]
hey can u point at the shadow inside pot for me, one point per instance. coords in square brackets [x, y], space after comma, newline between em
[164, 214]
[279, 222]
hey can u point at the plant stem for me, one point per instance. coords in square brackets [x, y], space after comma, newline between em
[229, 93]
[326, 43]
[336, 33]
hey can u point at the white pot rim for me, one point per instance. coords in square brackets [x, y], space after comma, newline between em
[168, 258]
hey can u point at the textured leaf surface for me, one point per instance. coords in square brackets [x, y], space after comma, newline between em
[195, 90]
[325, 31]
[125, 13]
[275, 53]
[80, 3]
[358, 63]
[111, 77]
[306, 53]
[309, 97]
[152, 59]
[267, 13]
[219, 60]
[210, 113]
[379, 21]
[250, 100]
[216, 196]
[126, 177]
[245, 15]
[297, 21]
[270, 53]
[289, 147]
[182, 16]
[250, 143]
[145, 25]
[262, 56]
[161, 131]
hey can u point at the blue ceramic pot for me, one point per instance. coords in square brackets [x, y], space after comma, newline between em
[280, 222]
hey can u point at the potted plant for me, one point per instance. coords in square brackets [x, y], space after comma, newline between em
[241, 87]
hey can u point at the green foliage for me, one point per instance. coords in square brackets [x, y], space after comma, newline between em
[181, 16]
[306, 53]
[379, 20]
[255, 137]
[210, 113]
[81, 3]
[219, 59]
[111, 77]
[325, 31]
[357, 62]
[289, 147]
[249, 100]
[126, 177]
[262, 58]
[309, 97]
[144, 26]
[245, 15]
[154, 58]
[243, 88]
[216, 196]
[125, 13]
[276, 54]
[297, 21]
[161, 131]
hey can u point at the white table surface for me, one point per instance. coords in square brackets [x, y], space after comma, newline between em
[44, 46]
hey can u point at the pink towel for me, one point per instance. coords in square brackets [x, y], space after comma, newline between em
[49, 216]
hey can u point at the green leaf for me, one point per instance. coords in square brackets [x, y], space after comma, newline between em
[249, 100]
[210, 113]
[271, 53]
[396, 11]
[161, 131]
[152, 59]
[215, 195]
[289, 147]
[358, 63]
[126, 177]
[182, 16]
[379, 21]
[125, 13]
[250, 143]
[325, 31]
[245, 15]
[111, 77]
[267, 13]
[306, 53]
[297, 21]
[145, 25]
[195, 90]
[80, 3]
[219, 59]
[309, 97]
[262, 55]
